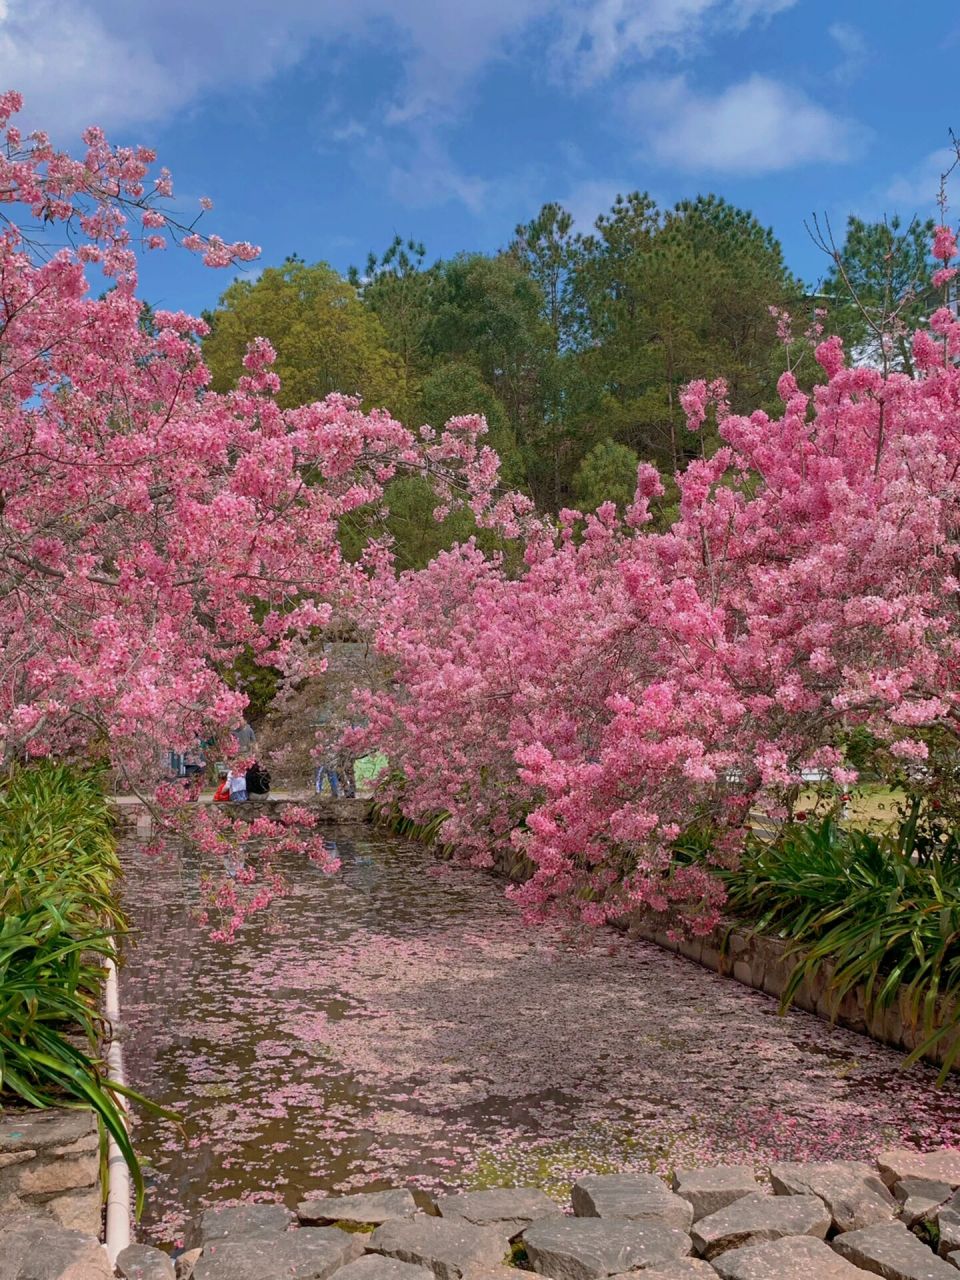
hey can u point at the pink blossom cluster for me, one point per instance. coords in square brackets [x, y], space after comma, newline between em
[629, 687]
[104, 194]
[151, 530]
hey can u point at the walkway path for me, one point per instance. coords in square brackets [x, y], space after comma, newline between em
[396, 1024]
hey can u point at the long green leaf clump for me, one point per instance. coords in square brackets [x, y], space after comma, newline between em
[58, 920]
[862, 906]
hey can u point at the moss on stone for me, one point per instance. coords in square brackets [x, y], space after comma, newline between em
[554, 1165]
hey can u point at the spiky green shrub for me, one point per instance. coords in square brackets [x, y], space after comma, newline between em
[865, 908]
[58, 921]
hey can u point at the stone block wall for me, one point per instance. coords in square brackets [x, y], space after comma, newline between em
[49, 1161]
[766, 965]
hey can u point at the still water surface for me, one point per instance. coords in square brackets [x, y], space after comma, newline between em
[396, 1023]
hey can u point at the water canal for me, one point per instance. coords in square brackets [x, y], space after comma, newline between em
[396, 1023]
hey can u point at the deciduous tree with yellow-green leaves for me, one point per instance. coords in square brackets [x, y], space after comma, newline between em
[325, 338]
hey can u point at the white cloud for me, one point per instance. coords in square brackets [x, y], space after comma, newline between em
[853, 49]
[126, 64]
[755, 126]
[123, 62]
[348, 132]
[598, 36]
[425, 175]
[74, 71]
[915, 191]
[743, 12]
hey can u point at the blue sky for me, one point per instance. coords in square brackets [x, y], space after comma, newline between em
[326, 126]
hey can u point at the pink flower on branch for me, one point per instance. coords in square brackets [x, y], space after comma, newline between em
[154, 531]
[628, 691]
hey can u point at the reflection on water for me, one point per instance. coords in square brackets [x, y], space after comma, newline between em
[397, 1023]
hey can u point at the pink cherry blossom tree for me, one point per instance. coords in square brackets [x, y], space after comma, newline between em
[151, 531]
[630, 689]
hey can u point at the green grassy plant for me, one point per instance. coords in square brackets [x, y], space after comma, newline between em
[58, 920]
[863, 906]
[392, 819]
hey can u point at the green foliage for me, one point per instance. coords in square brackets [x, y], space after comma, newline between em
[455, 388]
[671, 297]
[860, 748]
[879, 289]
[399, 289]
[326, 340]
[552, 1164]
[517, 1255]
[858, 905]
[418, 537]
[607, 474]
[574, 347]
[426, 833]
[570, 340]
[489, 314]
[58, 918]
[929, 807]
[548, 250]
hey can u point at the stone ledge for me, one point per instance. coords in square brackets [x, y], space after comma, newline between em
[762, 963]
[343, 812]
[49, 1165]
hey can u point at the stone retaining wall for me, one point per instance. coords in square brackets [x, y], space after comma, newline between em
[764, 964]
[50, 1164]
[344, 812]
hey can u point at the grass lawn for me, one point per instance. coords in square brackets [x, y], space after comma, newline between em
[871, 805]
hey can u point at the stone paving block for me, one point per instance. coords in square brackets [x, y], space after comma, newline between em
[446, 1246]
[596, 1192]
[920, 1198]
[140, 1262]
[186, 1263]
[888, 1249]
[591, 1248]
[638, 1196]
[37, 1248]
[711, 1189]
[934, 1166]
[793, 1258]
[233, 1222]
[371, 1207]
[78, 1210]
[41, 1177]
[510, 1208]
[948, 1224]
[312, 1253]
[852, 1190]
[682, 1269]
[62, 1133]
[757, 1219]
[375, 1266]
